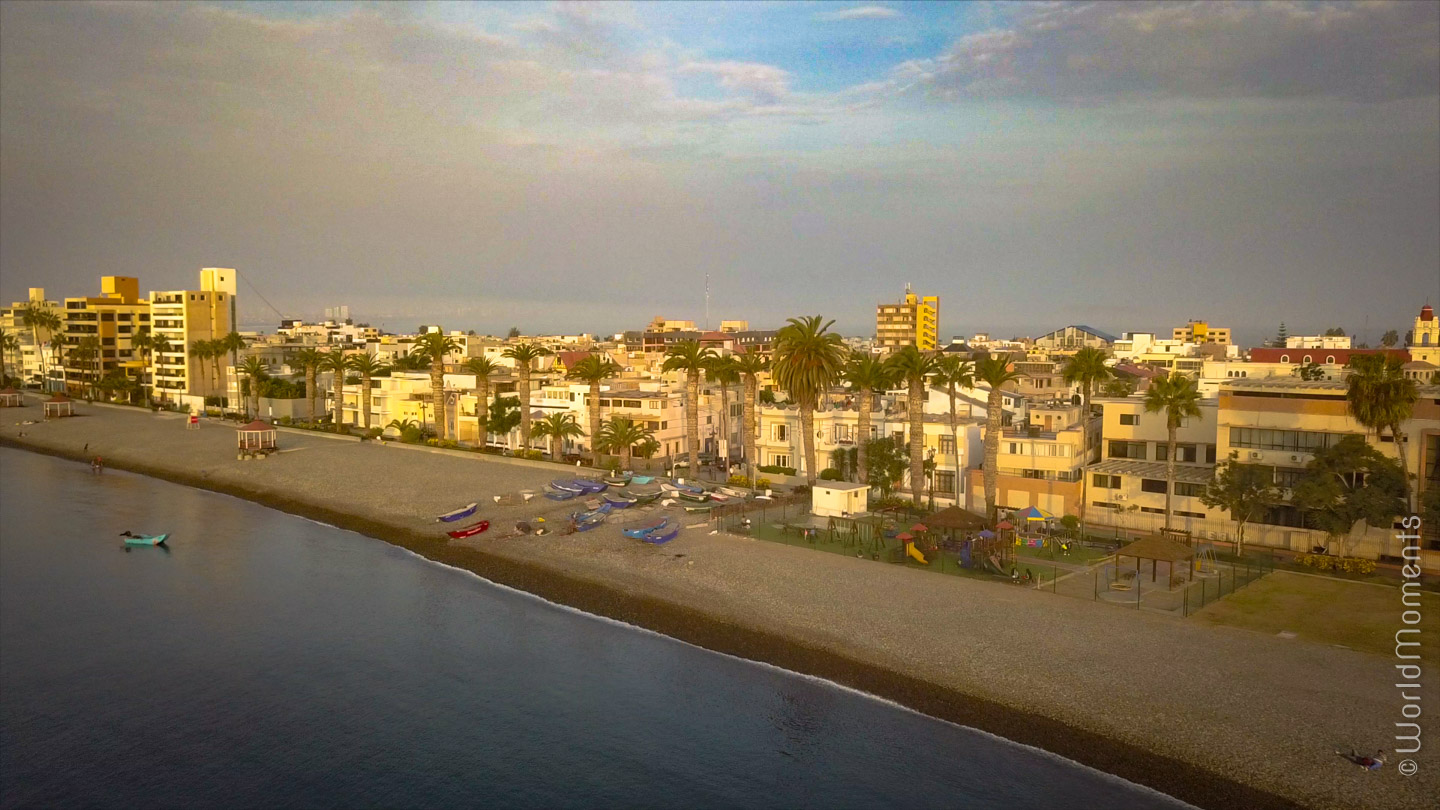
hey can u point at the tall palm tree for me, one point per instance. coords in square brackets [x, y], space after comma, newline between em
[368, 368]
[866, 374]
[619, 434]
[524, 354]
[482, 368]
[217, 353]
[233, 342]
[915, 367]
[1087, 367]
[808, 358]
[1379, 395]
[8, 343]
[254, 370]
[35, 318]
[954, 373]
[722, 372]
[87, 351]
[994, 370]
[749, 365]
[310, 360]
[558, 426]
[335, 362]
[687, 356]
[435, 345]
[594, 369]
[199, 352]
[1179, 398]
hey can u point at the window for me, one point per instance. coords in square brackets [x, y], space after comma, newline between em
[653, 405]
[945, 481]
[780, 460]
[1105, 504]
[1306, 360]
[1129, 418]
[780, 433]
[1135, 450]
[1152, 510]
[665, 424]
[1152, 485]
[1183, 452]
[1298, 441]
[1189, 490]
[1103, 481]
[1209, 454]
[1330, 359]
[1284, 358]
[1183, 513]
[947, 447]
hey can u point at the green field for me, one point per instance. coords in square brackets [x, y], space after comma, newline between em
[1329, 611]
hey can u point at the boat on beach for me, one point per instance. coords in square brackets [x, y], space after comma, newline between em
[470, 531]
[642, 479]
[661, 537]
[561, 494]
[144, 539]
[617, 480]
[589, 486]
[459, 514]
[646, 497]
[639, 532]
[567, 485]
[619, 502]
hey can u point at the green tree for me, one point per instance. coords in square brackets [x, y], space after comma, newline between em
[1243, 490]
[1390, 338]
[8, 344]
[1347, 482]
[1310, 372]
[525, 355]
[594, 369]
[254, 370]
[409, 429]
[808, 359]
[234, 343]
[413, 361]
[434, 346]
[1119, 388]
[750, 365]
[310, 360]
[994, 370]
[513, 333]
[866, 374]
[620, 435]
[723, 372]
[149, 344]
[1379, 395]
[689, 357]
[335, 362]
[955, 373]
[483, 368]
[1087, 369]
[503, 416]
[887, 459]
[87, 354]
[1178, 398]
[1281, 337]
[558, 427]
[368, 367]
[1334, 331]
[915, 367]
[37, 318]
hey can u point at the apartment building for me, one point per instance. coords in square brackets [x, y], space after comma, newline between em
[185, 317]
[1071, 339]
[112, 318]
[1041, 461]
[913, 321]
[1129, 481]
[1202, 332]
[33, 359]
[1317, 342]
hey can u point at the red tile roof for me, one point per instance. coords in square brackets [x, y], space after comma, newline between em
[1320, 356]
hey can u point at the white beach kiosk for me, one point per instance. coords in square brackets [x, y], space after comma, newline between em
[839, 499]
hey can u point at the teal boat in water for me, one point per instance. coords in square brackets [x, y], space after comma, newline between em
[144, 539]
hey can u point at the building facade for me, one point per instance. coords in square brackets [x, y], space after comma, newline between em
[1202, 332]
[112, 319]
[913, 321]
[185, 317]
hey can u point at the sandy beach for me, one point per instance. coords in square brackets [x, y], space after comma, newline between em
[1216, 716]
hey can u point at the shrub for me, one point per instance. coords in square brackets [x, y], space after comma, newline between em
[1343, 565]
[1070, 522]
[533, 455]
[803, 489]
[373, 433]
[774, 468]
[831, 474]
[891, 502]
[762, 483]
[433, 442]
[738, 481]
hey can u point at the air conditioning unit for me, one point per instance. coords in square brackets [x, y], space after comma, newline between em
[1254, 455]
[1294, 458]
[1121, 497]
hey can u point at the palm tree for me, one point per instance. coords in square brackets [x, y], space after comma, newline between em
[335, 362]
[722, 372]
[687, 356]
[1179, 398]
[368, 368]
[914, 367]
[8, 343]
[254, 370]
[558, 426]
[954, 373]
[594, 369]
[1379, 395]
[36, 317]
[808, 358]
[524, 354]
[88, 351]
[216, 353]
[865, 373]
[233, 342]
[1087, 367]
[435, 345]
[310, 360]
[749, 365]
[200, 352]
[156, 345]
[619, 434]
[482, 368]
[994, 370]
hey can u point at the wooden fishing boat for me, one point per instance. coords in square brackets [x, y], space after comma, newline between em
[459, 514]
[568, 485]
[662, 537]
[590, 486]
[641, 479]
[586, 525]
[144, 539]
[646, 497]
[705, 507]
[619, 502]
[617, 480]
[687, 487]
[694, 497]
[471, 530]
[561, 495]
[639, 532]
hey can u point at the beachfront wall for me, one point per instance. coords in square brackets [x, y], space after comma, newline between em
[273, 409]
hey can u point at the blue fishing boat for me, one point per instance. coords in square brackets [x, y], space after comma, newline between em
[144, 539]
[639, 532]
[619, 502]
[604, 509]
[568, 485]
[561, 494]
[683, 487]
[594, 520]
[459, 514]
[590, 486]
[641, 479]
[617, 480]
[661, 537]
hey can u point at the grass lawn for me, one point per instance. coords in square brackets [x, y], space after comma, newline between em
[1330, 611]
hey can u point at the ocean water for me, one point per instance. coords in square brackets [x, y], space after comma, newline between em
[268, 661]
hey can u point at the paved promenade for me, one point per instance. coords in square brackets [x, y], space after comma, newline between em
[1218, 716]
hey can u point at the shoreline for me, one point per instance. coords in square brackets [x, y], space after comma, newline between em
[1183, 780]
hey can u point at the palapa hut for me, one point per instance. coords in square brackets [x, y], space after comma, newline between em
[58, 406]
[257, 436]
[10, 398]
[1156, 549]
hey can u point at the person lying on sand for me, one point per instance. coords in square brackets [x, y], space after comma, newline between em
[1365, 763]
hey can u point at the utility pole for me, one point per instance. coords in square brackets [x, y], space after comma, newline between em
[707, 302]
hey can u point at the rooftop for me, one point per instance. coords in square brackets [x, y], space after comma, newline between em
[1184, 474]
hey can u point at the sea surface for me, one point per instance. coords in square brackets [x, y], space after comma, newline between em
[265, 660]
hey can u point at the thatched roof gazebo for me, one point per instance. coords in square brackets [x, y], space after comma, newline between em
[10, 398]
[1157, 549]
[257, 436]
[58, 406]
[954, 518]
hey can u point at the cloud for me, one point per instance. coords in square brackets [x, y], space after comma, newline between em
[860, 13]
[765, 83]
[1096, 51]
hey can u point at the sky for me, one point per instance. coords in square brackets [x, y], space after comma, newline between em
[582, 167]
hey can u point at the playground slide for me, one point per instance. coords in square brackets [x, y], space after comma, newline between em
[915, 553]
[996, 566]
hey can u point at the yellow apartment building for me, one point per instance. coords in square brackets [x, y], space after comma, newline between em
[1041, 463]
[1126, 487]
[185, 317]
[31, 362]
[1425, 337]
[112, 318]
[914, 321]
[1202, 332]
